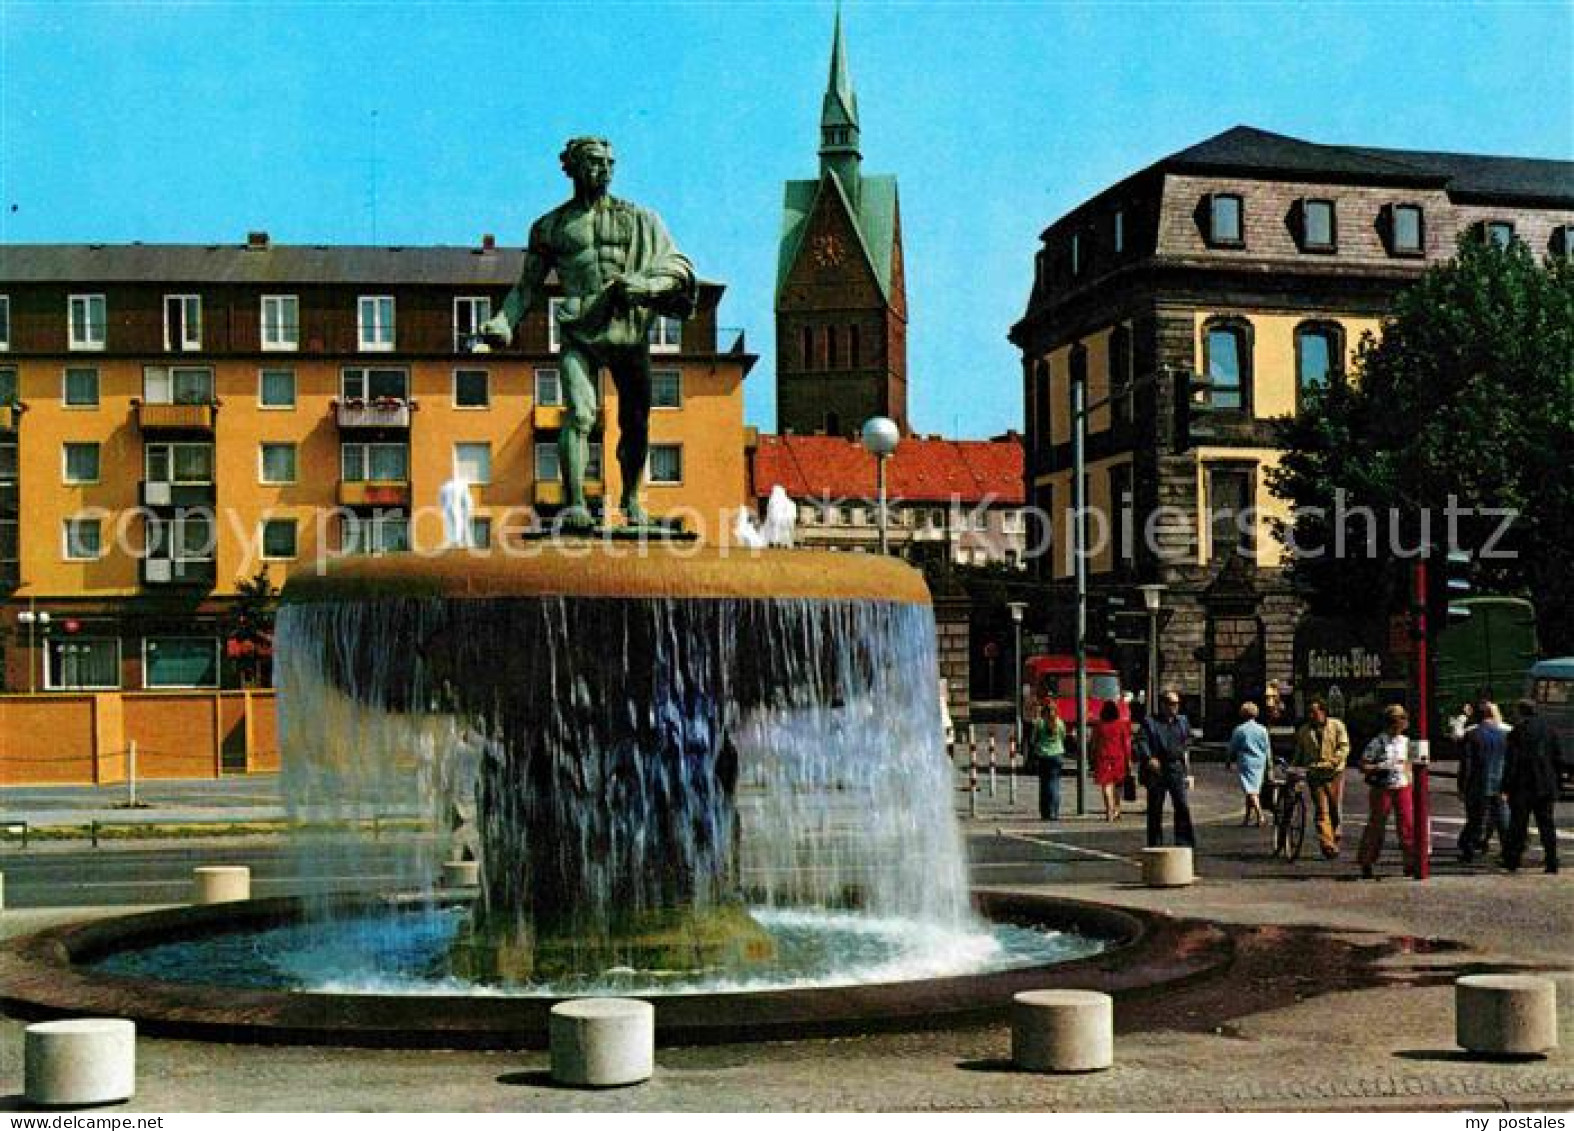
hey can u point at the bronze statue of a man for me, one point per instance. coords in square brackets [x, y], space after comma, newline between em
[618, 269]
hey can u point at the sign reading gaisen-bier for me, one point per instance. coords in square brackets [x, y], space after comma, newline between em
[1352, 663]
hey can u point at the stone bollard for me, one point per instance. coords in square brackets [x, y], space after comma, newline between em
[1167, 867]
[88, 1060]
[220, 883]
[602, 1042]
[461, 873]
[1062, 1031]
[1505, 1014]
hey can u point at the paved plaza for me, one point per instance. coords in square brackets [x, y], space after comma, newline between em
[1339, 994]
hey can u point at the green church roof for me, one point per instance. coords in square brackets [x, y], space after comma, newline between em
[874, 219]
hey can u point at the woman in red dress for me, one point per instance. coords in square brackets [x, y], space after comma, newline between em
[1111, 743]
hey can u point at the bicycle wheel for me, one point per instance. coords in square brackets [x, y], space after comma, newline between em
[1281, 824]
[1295, 827]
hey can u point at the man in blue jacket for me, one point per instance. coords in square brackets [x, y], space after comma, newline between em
[1166, 770]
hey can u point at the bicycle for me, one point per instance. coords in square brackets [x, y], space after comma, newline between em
[1289, 812]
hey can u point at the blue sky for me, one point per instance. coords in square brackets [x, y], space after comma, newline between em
[196, 122]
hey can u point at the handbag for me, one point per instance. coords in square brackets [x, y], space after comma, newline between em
[1128, 788]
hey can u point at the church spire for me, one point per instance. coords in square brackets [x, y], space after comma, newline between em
[839, 151]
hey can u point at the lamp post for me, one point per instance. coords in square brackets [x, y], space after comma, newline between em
[1018, 609]
[1079, 549]
[880, 437]
[34, 620]
[1152, 598]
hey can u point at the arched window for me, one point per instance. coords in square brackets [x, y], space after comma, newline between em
[854, 348]
[830, 347]
[1227, 361]
[1319, 358]
[806, 346]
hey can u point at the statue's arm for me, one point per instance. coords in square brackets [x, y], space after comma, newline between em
[532, 273]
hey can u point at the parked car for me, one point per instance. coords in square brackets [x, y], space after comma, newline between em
[1551, 684]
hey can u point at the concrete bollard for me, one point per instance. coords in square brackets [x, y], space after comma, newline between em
[1062, 1031]
[602, 1042]
[1167, 867]
[88, 1060]
[461, 873]
[1506, 1014]
[220, 883]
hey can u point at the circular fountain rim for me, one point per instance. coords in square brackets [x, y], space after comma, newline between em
[44, 975]
[614, 569]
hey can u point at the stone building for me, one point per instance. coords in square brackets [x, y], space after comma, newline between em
[1257, 261]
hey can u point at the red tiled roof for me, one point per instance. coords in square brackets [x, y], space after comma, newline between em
[922, 470]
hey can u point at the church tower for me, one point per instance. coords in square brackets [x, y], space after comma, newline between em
[841, 300]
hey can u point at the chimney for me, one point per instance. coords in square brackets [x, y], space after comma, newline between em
[257, 241]
[488, 242]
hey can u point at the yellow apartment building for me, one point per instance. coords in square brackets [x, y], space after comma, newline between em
[175, 418]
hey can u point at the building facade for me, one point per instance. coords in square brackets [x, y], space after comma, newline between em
[841, 296]
[175, 418]
[954, 500]
[1258, 262]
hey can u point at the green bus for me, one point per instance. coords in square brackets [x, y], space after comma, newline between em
[1484, 655]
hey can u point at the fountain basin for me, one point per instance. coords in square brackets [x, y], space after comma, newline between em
[51, 974]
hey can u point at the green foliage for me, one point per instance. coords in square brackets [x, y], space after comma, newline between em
[1469, 394]
[249, 640]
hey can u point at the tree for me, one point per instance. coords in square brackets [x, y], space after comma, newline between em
[249, 641]
[1467, 395]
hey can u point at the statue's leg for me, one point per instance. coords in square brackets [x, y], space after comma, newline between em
[573, 443]
[631, 375]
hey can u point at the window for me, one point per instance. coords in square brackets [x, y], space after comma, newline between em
[549, 388]
[1319, 230]
[80, 462]
[179, 385]
[78, 664]
[8, 386]
[1011, 522]
[1562, 242]
[1078, 254]
[84, 539]
[472, 388]
[1043, 414]
[276, 388]
[88, 321]
[480, 532]
[374, 463]
[473, 462]
[1498, 233]
[554, 329]
[1408, 234]
[1231, 514]
[1227, 360]
[666, 388]
[1122, 396]
[548, 470]
[81, 388]
[666, 334]
[5, 322]
[666, 463]
[1121, 521]
[183, 464]
[277, 463]
[375, 324]
[180, 661]
[832, 358]
[1118, 236]
[469, 313]
[182, 322]
[1319, 357]
[593, 461]
[375, 384]
[833, 424]
[858, 516]
[279, 539]
[380, 534]
[854, 348]
[281, 322]
[1224, 220]
[806, 347]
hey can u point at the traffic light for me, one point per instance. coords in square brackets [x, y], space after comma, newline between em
[1193, 407]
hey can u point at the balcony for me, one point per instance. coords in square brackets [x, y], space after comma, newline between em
[549, 492]
[154, 494]
[175, 572]
[197, 418]
[547, 417]
[373, 414]
[374, 493]
[11, 416]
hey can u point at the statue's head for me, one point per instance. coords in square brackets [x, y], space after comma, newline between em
[588, 162]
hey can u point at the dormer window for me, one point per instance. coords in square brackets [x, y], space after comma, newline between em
[1562, 243]
[1319, 226]
[1498, 233]
[1078, 254]
[1118, 234]
[1407, 230]
[1226, 214]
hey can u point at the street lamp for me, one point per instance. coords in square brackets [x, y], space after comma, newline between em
[1018, 609]
[880, 437]
[34, 621]
[1152, 597]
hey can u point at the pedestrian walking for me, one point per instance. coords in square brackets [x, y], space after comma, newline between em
[1111, 743]
[1049, 751]
[1166, 764]
[1530, 787]
[1481, 756]
[1322, 749]
[1250, 750]
[1385, 763]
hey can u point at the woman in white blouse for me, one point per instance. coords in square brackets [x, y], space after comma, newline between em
[1385, 763]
